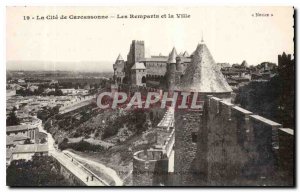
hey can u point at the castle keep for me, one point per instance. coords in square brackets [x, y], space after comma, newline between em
[158, 69]
[217, 144]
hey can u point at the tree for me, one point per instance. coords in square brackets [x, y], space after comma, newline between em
[40, 171]
[43, 114]
[58, 92]
[43, 140]
[54, 110]
[12, 119]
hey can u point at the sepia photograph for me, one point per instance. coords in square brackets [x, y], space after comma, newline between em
[144, 96]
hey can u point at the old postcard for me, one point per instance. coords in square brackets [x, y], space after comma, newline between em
[150, 96]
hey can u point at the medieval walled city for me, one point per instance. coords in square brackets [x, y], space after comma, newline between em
[168, 120]
[203, 97]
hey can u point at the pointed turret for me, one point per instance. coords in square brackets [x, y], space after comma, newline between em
[244, 64]
[171, 69]
[186, 54]
[118, 67]
[120, 58]
[203, 75]
[172, 56]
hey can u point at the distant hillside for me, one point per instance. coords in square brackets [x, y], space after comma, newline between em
[83, 66]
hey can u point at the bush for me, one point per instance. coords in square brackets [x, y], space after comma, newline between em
[261, 98]
[41, 171]
[136, 121]
[43, 140]
[12, 119]
[80, 146]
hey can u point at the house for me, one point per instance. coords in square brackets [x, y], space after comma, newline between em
[27, 151]
[8, 156]
[12, 141]
[68, 91]
[21, 81]
[23, 130]
[32, 88]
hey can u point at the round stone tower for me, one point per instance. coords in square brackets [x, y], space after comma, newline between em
[118, 67]
[202, 77]
[150, 168]
[171, 69]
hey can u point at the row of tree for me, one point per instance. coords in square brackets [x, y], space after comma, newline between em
[12, 118]
[40, 171]
[39, 91]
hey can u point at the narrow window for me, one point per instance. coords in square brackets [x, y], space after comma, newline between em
[194, 137]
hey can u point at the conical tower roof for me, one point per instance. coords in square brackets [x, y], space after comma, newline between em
[120, 58]
[203, 74]
[244, 64]
[186, 54]
[172, 56]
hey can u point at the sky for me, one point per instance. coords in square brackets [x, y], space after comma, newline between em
[232, 35]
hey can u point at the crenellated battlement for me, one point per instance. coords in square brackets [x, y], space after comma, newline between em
[240, 143]
[225, 144]
[218, 108]
[138, 42]
[148, 155]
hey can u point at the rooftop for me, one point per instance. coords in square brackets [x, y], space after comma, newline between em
[203, 74]
[156, 59]
[138, 65]
[8, 153]
[31, 148]
[172, 56]
[120, 58]
[244, 64]
[186, 54]
[19, 128]
[9, 140]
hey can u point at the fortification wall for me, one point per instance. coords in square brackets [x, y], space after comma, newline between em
[152, 166]
[169, 143]
[190, 137]
[72, 179]
[81, 81]
[149, 168]
[221, 145]
[223, 157]
[241, 147]
[286, 156]
[187, 124]
[136, 88]
[171, 76]
[156, 68]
